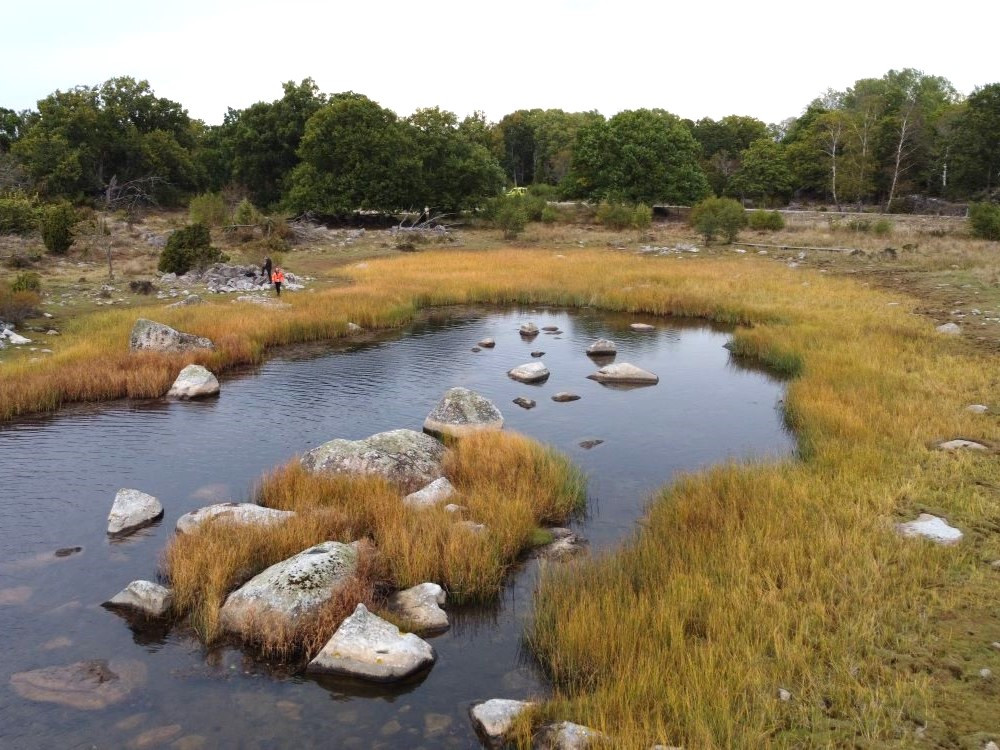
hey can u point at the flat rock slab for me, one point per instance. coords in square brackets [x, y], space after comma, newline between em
[642, 327]
[148, 335]
[568, 736]
[132, 510]
[436, 492]
[564, 396]
[462, 412]
[624, 373]
[236, 514]
[488, 343]
[492, 719]
[290, 589]
[930, 527]
[86, 685]
[407, 458]
[151, 599]
[528, 329]
[421, 605]
[194, 381]
[961, 445]
[602, 348]
[977, 408]
[550, 328]
[524, 403]
[532, 372]
[369, 648]
[949, 329]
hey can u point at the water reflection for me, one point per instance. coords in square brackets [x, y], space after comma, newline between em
[707, 408]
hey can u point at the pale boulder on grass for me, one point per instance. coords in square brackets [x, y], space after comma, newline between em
[194, 381]
[236, 514]
[148, 335]
[434, 493]
[421, 606]
[462, 412]
[931, 527]
[492, 719]
[131, 510]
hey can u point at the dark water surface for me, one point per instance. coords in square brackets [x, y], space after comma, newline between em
[61, 474]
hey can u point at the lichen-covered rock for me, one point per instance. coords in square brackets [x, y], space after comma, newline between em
[462, 412]
[367, 647]
[132, 510]
[931, 527]
[407, 458]
[87, 685]
[624, 373]
[151, 599]
[532, 372]
[436, 492]
[194, 381]
[568, 736]
[602, 347]
[148, 335]
[492, 719]
[237, 514]
[421, 606]
[291, 589]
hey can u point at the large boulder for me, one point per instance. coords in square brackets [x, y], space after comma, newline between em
[151, 599]
[88, 685]
[148, 335]
[369, 648]
[436, 492]
[624, 373]
[407, 458]
[237, 514]
[291, 589]
[194, 381]
[421, 606]
[492, 719]
[461, 412]
[532, 372]
[132, 510]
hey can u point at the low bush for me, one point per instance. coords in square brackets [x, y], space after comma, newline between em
[642, 216]
[246, 213]
[718, 216]
[765, 221]
[984, 220]
[550, 215]
[56, 223]
[614, 215]
[209, 209]
[189, 248]
[18, 213]
[27, 281]
[882, 228]
[16, 306]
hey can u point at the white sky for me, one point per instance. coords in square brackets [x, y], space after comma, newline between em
[695, 59]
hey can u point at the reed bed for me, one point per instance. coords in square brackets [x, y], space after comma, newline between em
[505, 481]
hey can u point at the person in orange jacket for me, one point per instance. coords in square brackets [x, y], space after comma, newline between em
[278, 277]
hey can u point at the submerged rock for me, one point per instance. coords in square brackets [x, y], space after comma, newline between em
[642, 327]
[532, 372]
[930, 527]
[151, 599]
[525, 403]
[436, 492]
[148, 335]
[488, 343]
[564, 396]
[407, 458]
[550, 329]
[961, 445]
[461, 412]
[602, 348]
[86, 685]
[537, 354]
[194, 381]
[492, 719]
[421, 605]
[565, 544]
[367, 647]
[291, 589]
[237, 514]
[624, 373]
[588, 444]
[132, 510]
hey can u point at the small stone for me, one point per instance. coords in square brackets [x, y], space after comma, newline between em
[436, 492]
[588, 444]
[537, 354]
[995, 645]
[524, 403]
[930, 527]
[564, 396]
[354, 328]
[602, 347]
[986, 674]
[475, 349]
[147, 597]
[550, 328]
[454, 508]
[15, 595]
[132, 510]
[991, 745]
[492, 719]
[784, 695]
[290, 710]
[488, 343]
[569, 736]
[949, 329]
[977, 408]
[532, 372]
[528, 330]
[475, 528]
[642, 327]
[85, 685]
[421, 606]
[194, 381]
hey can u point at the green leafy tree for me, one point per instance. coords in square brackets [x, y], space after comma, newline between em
[57, 222]
[640, 156]
[984, 220]
[763, 173]
[976, 141]
[722, 143]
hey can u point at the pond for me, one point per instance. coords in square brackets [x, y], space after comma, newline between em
[62, 473]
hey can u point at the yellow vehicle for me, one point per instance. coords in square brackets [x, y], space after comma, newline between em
[517, 191]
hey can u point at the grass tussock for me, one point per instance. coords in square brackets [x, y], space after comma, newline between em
[505, 481]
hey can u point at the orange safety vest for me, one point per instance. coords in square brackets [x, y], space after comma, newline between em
[277, 276]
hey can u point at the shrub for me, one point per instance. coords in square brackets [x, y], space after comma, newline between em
[189, 248]
[642, 216]
[247, 213]
[57, 222]
[614, 215]
[511, 217]
[550, 215]
[715, 216]
[18, 214]
[544, 190]
[208, 209]
[858, 225]
[16, 306]
[27, 281]
[765, 221]
[882, 228]
[984, 220]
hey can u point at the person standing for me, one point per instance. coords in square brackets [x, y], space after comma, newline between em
[277, 277]
[266, 269]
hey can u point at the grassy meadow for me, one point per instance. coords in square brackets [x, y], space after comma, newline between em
[743, 580]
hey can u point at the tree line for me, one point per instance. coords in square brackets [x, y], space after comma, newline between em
[870, 145]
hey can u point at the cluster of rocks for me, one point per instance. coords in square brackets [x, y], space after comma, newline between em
[680, 247]
[7, 336]
[493, 720]
[224, 278]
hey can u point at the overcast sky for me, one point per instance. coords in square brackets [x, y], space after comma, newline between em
[695, 59]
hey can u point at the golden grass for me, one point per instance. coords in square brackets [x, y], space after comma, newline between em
[505, 481]
[743, 579]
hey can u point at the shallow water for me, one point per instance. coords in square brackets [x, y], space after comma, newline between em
[62, 473]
